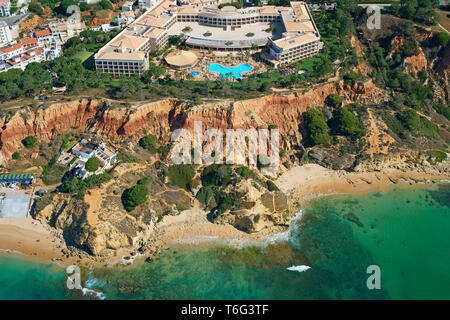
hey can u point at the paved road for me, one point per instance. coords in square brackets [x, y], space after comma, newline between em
[10, 21]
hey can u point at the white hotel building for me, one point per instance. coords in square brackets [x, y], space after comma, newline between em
[289, 33]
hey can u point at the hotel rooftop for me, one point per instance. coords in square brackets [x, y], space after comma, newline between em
[225, 29]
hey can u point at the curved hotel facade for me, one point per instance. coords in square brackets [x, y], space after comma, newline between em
[289, 33]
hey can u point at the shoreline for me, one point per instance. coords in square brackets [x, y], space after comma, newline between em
[29, 239]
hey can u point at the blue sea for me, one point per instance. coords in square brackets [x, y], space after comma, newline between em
[405, 233]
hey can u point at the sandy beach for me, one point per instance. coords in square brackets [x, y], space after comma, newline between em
[28, 238]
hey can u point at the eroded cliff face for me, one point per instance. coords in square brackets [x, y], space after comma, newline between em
[44, 123]
[162, 117]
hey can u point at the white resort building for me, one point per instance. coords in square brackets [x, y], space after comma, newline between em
[288, 33]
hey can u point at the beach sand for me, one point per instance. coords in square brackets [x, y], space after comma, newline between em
[29, 238]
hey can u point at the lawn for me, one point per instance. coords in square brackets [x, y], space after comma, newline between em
[87, 59]
[83, 55]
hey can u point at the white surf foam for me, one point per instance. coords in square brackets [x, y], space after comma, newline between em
[301, 268]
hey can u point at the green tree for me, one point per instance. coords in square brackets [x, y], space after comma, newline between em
[271, 186]
[149, 142]
[348, 124]
[105, 4]
[73, 186]
[16, 155]
[440, 39]
[216, 175]
[316, 127]
[181, 175]
[134, 196]
[92, 164]
[333, 100]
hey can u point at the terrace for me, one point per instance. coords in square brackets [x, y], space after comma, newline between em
[226, 38]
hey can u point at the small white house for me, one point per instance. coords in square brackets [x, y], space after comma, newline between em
[85, 150]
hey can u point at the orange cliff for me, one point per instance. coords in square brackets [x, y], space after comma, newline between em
[162, 117]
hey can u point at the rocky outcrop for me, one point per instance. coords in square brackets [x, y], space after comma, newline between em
[423, 161]
[70, 215]
[415, 63]
[258, 208]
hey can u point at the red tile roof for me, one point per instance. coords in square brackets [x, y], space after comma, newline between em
[42, 33]
[14, 47]
[28, 41]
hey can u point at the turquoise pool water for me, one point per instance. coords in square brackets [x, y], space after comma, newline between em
[194, 73]
[404, 232]
[226, 72]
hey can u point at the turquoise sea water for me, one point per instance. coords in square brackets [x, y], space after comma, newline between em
[225, 72]
[21, 279]
[404, 232]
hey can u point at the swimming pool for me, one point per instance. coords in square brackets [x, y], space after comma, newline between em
[227, 72]
[194, 73]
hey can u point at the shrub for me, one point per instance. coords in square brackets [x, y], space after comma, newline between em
[92, 164]
[97, 179]
[181, 175]
[333, 100]
[442, 109]
[53, 173]
[206, 196]
[216, 175]
[126, 157]
[271, 186]
[439, 155]
[149, 142]
[440, 39]
[29, 142]
[415, 124]
[134, 197]
[15, 156]
[73, 186]
[348, 124]
[144, 180]
[79, 186]
[245, 172]
[350, 79]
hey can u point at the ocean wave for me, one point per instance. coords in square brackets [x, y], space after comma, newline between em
[287, 235]
[12, 251]
[127, 260]
[91, 286]
[100, 295]
[197, 239]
